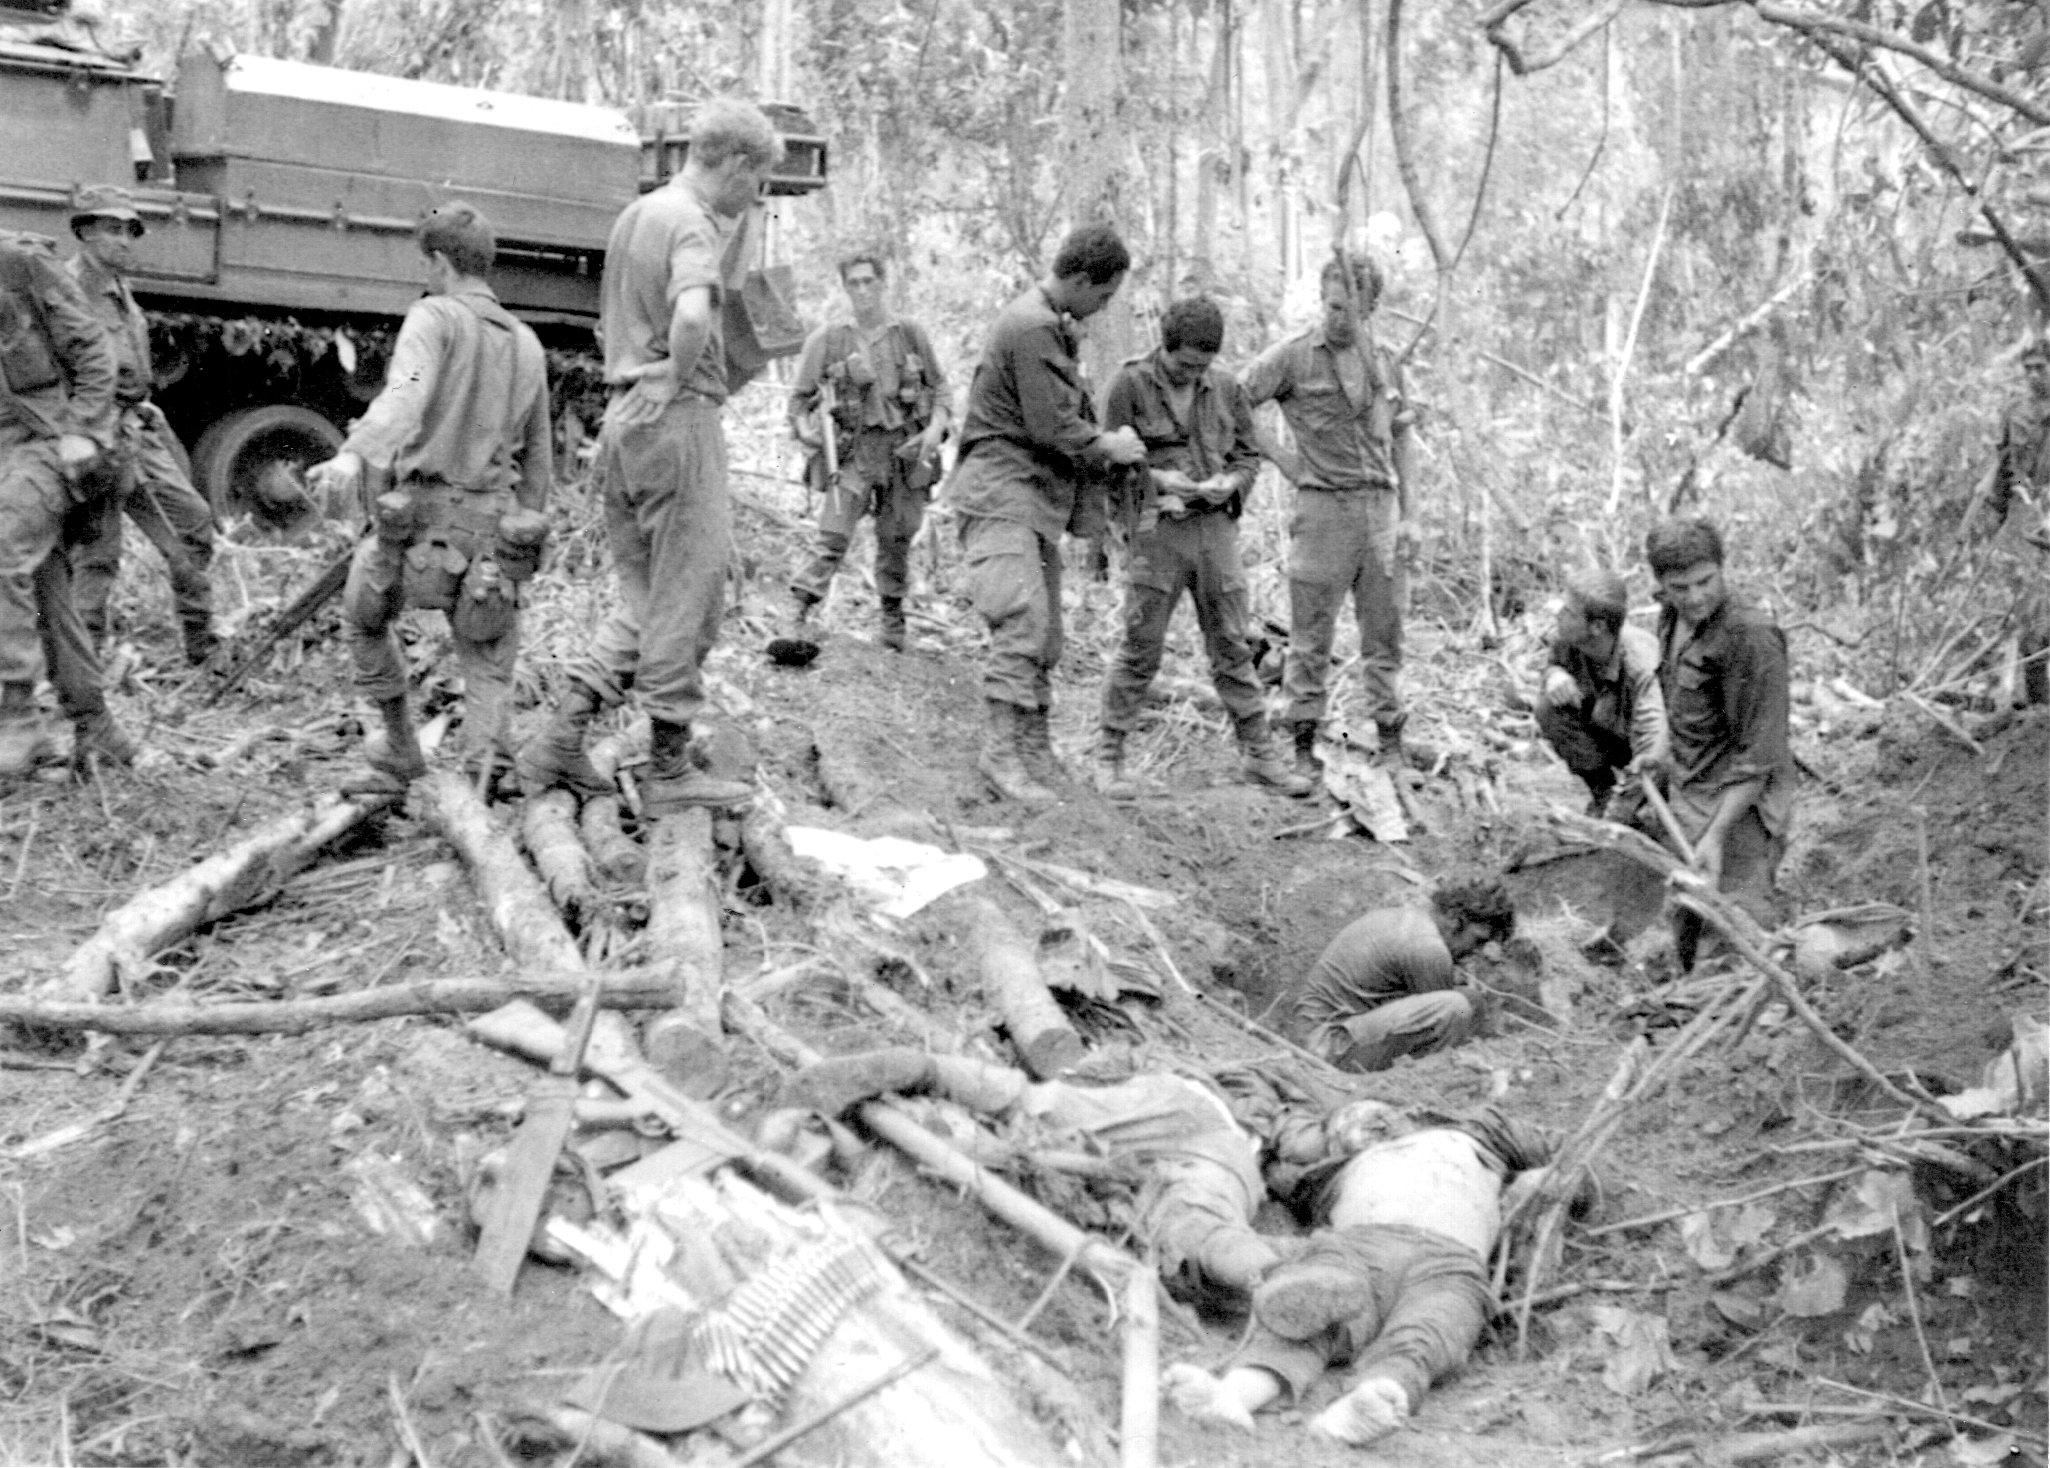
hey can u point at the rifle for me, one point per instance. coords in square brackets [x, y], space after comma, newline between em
[317, 595]
[829, 446]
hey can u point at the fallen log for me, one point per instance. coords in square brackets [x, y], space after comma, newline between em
[616, 854]
[1009, 969]
[548, 827]
[684, 941]
[767, 848]
[632, 990]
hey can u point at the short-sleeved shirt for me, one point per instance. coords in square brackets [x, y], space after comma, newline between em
[663, 244]
[1726, 706]
[107, 296]
[465, 399]
[1389, 953]
[1343, 442]
[908, 375]
[1214, 438]
[1029, 440]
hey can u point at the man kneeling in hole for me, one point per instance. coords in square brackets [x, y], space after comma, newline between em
[1394, 1283]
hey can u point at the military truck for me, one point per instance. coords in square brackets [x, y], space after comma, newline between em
[281, 199]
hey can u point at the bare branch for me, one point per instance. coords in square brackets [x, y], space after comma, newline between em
[1522, 64]
[1814, 25]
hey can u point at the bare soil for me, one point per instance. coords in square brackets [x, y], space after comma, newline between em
[198, 1280]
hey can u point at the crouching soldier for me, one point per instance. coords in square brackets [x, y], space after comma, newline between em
[1600, 707]
[1394, 1283]
[1180, 514]
[460, 435]
[57, 421]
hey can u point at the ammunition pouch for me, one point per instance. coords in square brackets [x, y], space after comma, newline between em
[522, 537]
[452, 528]
[396, 516]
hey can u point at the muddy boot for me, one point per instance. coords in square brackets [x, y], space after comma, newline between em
[554, 758]
[896, 635]
[1263, 763]
[394, 749]
[673, 783]
[97, 740]
[1035, 746]
[1600, 786]
[1112, 783]
[843, 1082]
[25, 739]
[1388, 740]
[1299, 1301]
[1304, 734]
[1000, 762]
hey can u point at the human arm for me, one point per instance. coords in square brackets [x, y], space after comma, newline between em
[1271, 379]
[1651, 750]
[939, 395]
[803, 401]
[1053, 406]
[90, 364]
[394, 417]
[1755, 710]
[537, 446]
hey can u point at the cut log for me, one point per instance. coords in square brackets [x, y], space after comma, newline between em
[548, 826]
[616, 854]
[1008, 966]
[635, 990]
[790, 879]
[683, 939]
[120, 953]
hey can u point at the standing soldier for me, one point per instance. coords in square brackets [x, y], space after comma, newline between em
[1030, 455]
[672, 257]
[57, 418]
[881, 385]
[1181, 514]
[461, 435]
[1353, 532]
[148, 480]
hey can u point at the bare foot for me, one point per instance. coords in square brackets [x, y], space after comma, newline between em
[1196, 1393]
[1374, 1408]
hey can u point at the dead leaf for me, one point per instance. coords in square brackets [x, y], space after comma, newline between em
[1697, 1232]
[1740, 1310]
[1982, 1452]
[1871, 1205]
[1816, 1290]
[1639, 1348]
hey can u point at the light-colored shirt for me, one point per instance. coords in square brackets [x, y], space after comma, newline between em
[465, 400]
[1344, 434]
[1438, 1179]
[663, 244]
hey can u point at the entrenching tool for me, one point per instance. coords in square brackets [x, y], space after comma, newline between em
[515, 1203]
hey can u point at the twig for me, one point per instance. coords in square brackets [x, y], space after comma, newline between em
[1670, 1214]
[1059, 1275]
[408, 1433]
[768, 1447]
[1900, 1252]
[1908, 1404]
[64, 1136]
[1984, 1193]
[28, 840]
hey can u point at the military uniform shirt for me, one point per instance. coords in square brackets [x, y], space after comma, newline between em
[1217, 437]
[56, 367]
[1344, 438]
[663, 244]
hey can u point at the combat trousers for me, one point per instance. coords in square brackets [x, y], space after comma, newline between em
[171, 515]
[372, 601]
[1414, 1025]
[1429, 1299]
[1014, 579]
[871, 483]
[1198, 554]
[1344, 542]
[669, 520]
[41, 518]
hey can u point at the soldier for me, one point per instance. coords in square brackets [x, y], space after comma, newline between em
[1343, 401]
[881, 382]
[2021, 475]
[57, 418]
[149, 481]
[1600, 707]
[1031, 456]
[1723, 672]
[461, 434]
[1385, 987]
[672, 257]
[1180, 513]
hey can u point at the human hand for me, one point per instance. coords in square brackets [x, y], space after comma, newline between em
[1560, 689]
[929, 440]
[1708, 855]
[652, 390]
[1170, 507]
[337, 484]
[1123, 446]
[76, 452]
[1655, 763]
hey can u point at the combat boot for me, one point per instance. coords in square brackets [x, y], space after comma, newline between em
[674, 784]
[394, 749]
[1388, 739]
[895, 634]
[1304, 733]
[97, 740]
[1263, 762]
[554, 759]
[1035, 746]
[1112, 783]
[25, 739]
[1001, 762]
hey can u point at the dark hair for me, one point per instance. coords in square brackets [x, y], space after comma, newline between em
[461, 233]
[726, 126]
[1094, 252]
[1482, 900]
[863, 257]
[1600, 597]
[1366, 276]
[1193, 321]
[1674, 545]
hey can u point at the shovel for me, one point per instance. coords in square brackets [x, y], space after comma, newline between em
[515, 1204]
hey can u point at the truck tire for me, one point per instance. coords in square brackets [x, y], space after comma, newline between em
[248, 463]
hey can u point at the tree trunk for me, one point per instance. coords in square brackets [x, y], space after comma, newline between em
[1093, 136]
